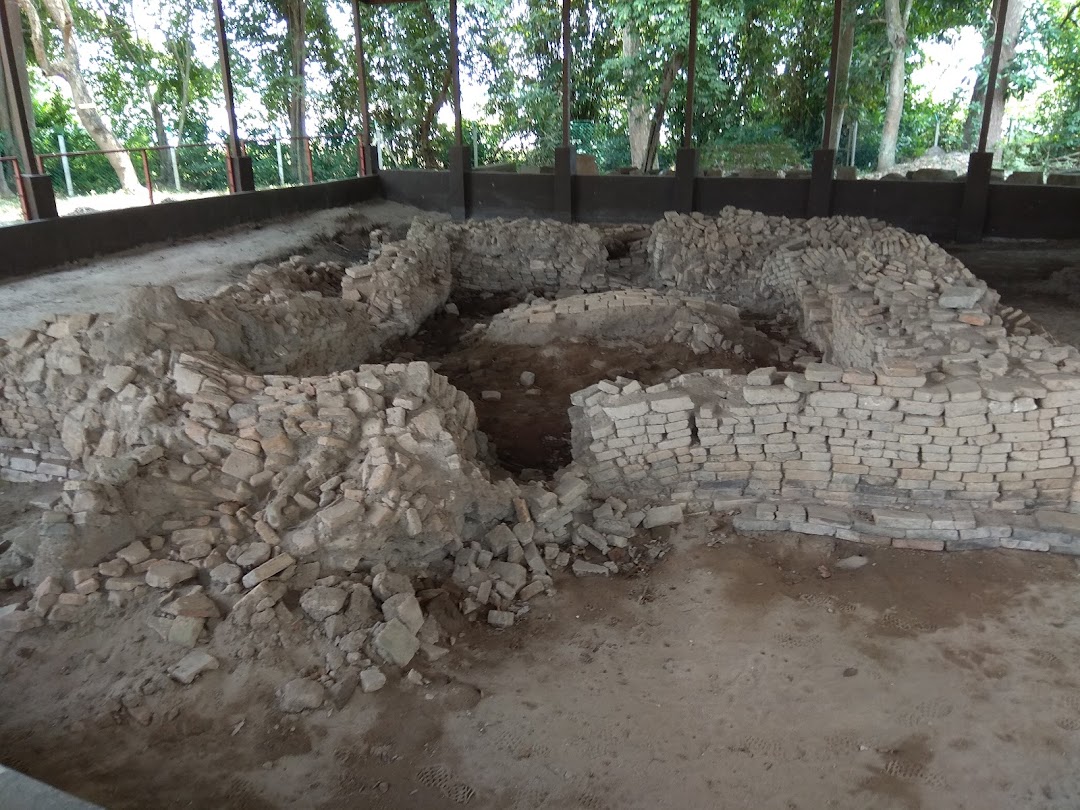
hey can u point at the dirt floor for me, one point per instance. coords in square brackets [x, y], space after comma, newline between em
[196, 268]
[736, 673]
[732, 675]
[1034, 276]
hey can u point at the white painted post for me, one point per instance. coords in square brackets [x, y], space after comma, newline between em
[66, 163]
[854, 139]
[175, 167]
[280, 162]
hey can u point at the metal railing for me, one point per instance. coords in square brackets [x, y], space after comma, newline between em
[143, 154]
[292, 161]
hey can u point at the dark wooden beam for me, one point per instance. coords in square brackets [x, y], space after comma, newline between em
[834, 64]
[566, 74]
[35, 190]
[455, 71]
[691, 72]
[240, 174]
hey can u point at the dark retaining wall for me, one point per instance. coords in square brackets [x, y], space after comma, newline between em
[932, 208]
[424, 189]
[1014, 211]
[33, 246]
[509, 194]
[920, 207]
[782, 198]
[1045, 212]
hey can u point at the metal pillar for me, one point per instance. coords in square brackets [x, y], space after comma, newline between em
[369, 153]
[39, 200]
[686, 159]
[459, 156]
[973, 211]
[834, 66]
[565, 160]
[819, 201]
[241, 174]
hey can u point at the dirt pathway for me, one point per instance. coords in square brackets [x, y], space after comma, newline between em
[732, 676]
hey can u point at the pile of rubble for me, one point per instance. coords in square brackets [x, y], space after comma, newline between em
[643, 317]
[218, 455]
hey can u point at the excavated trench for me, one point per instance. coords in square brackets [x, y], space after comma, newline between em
[529, 425]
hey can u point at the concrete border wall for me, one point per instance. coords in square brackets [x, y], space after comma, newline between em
[931, 208]
[34, 246]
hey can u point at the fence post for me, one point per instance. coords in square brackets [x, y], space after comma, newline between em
[175, 166]
[146, 176]
[66, 163]
[280, 162]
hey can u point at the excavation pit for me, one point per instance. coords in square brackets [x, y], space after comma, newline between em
[316, 422]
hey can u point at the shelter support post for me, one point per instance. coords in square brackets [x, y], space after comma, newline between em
[819, 201]
[976, 203]
[565, 159]
[459, 155]
[241, 173]
[369, 153]
[39, 200]
[686, 160]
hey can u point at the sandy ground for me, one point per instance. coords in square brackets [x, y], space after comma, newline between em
[731, 676]
[11, 213]
[196, 268]
[1020, 271]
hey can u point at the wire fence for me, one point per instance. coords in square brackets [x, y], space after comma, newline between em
[86, 180]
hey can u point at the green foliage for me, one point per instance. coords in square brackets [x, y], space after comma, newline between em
[760, 89]
[752, 147]
[1053, 142]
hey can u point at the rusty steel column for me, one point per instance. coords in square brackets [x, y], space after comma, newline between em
[242, 177]
[459, 156]
[686, 159]
[565, 159]
[976, 202]
[819, 199]
[368, 153]
[691, 73]
[455, 73]
[39, 200]
[834, 65]
[566, 74]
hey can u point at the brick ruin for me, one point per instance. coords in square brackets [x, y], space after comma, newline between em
[251, 444]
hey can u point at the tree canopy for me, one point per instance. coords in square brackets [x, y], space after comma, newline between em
[112, 74]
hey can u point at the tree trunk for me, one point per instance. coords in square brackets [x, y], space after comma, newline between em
[161, 140]
[6, 138]
[1013, 19]
[424, 150]
[68, 69]
[638, 117]
[972, 123]
[673, 66]
[896, 32]
[973, 119]
[297, 33]
[845, 48]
